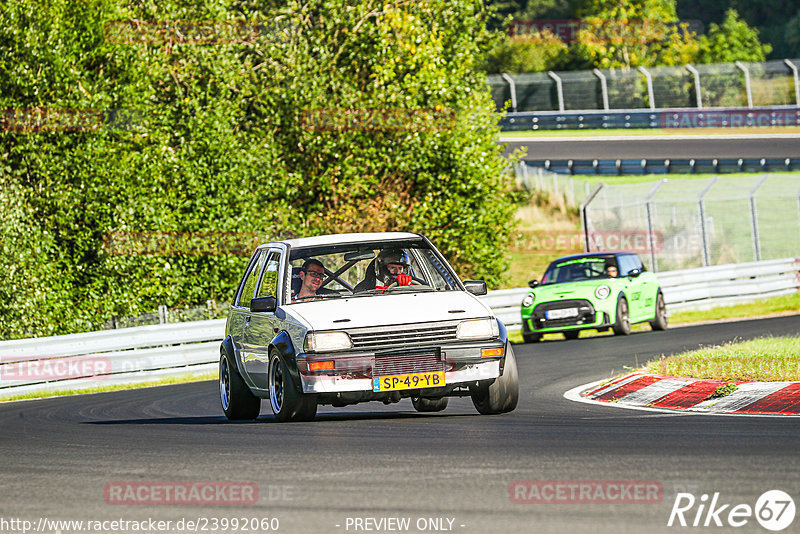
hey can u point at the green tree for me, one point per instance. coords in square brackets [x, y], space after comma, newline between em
[630, 33]
[537, 52]
[217, 135]
[733, 40]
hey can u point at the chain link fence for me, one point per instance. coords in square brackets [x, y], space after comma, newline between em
[683, 223]
[680, 224]
[731, 85]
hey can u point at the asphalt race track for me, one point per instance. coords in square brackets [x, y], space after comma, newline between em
[659, 147]
[375, 461]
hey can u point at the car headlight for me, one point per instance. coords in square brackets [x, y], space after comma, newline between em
[477, 329]
[602, 292]
[528, 300]
[327, 341]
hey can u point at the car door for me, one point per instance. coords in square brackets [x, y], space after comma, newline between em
[240, 312]
[261, 327]
[636, 285]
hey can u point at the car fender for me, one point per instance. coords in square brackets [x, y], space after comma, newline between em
[283, 346]
[226, 348]
[616, 307]
[504, 338]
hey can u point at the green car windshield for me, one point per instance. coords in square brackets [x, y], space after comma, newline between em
[581, 268]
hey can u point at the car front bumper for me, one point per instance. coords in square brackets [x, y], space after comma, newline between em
[535, 320]
[354, 371]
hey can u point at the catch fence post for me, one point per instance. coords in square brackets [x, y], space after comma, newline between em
[513, 88]
[697, 91]
[754, 218]
[703, 232]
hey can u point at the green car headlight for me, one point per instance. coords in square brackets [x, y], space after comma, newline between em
[528, 300]
[602, 292]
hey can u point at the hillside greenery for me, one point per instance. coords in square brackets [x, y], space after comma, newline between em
[182, 123]
[627, 34]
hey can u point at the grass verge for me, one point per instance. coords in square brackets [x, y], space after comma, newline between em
[770, 306]
[62, 392]
[767, 359]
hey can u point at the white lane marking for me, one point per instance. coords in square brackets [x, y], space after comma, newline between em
[656, 390]
[615, 385]
[746, 394]
[574, 395]
[665, 137]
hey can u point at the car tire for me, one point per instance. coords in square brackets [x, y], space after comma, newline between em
[572, 334]
[531, 338]
[500, 396]
[660, 321]
[287, 404]
[238, 402]
[623, 325]
[422, 404]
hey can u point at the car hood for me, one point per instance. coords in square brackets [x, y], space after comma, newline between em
[572, 290]
[384, 310]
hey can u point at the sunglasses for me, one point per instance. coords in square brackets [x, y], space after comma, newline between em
[315, 274]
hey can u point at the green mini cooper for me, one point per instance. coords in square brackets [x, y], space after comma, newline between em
[604, 290]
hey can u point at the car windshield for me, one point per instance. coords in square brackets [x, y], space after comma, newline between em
[581, 268]
[364, 270]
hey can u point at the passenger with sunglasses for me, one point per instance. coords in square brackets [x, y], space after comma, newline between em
[312, 273]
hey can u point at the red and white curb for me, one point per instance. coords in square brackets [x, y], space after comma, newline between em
[691, 395]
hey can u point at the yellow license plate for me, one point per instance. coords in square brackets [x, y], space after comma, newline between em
[409, 381]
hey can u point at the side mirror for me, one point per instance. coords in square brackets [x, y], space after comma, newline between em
[476, 287]
[263, 304]
[533, 283]
[633, 273]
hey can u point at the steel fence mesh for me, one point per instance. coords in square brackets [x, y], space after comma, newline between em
[722, 86]
[501, 92]
[686, 223]
[771, 83]
[673, 87]
[626, 89]
[777, 207]
[581, 90]
[535, 92]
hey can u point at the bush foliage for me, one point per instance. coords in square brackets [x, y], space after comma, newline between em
[209, 131]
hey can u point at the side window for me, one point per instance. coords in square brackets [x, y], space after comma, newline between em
[627, 263]
[249, 286]
[269, 280]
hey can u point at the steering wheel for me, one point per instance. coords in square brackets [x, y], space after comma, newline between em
[413, 283]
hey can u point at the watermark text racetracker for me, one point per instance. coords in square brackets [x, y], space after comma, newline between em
[193, 524]
[585, 492]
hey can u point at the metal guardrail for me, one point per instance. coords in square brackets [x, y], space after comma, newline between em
[668, 118]
[638, 167]
[141, 354]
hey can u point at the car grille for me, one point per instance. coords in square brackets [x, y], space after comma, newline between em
[407, 363]
[401, 336]
[586, 313]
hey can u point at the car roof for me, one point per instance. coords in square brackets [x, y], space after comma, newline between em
[593, 255]
[344, 239]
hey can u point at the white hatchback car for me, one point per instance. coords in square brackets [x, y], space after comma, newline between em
[380, 317]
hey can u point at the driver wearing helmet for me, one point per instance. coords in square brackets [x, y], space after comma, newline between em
[390, 267]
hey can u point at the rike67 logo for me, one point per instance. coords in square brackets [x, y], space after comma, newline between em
[774, 510]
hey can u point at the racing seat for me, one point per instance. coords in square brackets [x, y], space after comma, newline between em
[297, 283]
[369, 280]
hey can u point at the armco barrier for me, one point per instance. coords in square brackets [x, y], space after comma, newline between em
[140, 354]
[679, 118]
